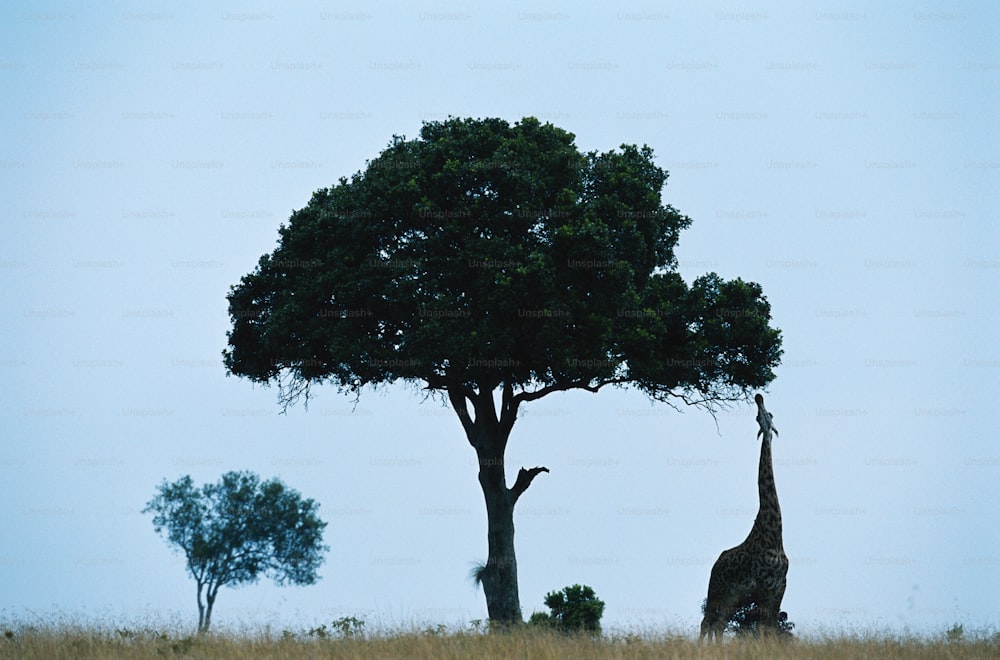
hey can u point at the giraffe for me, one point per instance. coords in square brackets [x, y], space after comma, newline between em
[756, 567]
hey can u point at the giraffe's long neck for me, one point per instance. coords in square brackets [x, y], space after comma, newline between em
[768, 523]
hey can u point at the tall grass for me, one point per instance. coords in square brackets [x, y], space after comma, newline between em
[68, 640]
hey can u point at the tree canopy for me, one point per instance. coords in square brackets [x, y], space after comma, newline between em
[234, 531]
[486, 255]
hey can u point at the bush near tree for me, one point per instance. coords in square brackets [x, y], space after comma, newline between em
[745, 619]
[573, 609]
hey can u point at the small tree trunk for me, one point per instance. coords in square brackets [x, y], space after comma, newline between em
[210, 597]
[201, 611]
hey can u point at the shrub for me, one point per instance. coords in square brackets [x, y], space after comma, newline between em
[745, 620]
[346, 627]
[573, 609]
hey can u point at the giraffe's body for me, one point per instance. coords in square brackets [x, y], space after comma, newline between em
[756, 567]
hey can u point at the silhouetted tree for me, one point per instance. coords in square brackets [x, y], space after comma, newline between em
[496, 264]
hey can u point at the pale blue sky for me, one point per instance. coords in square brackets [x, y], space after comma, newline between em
[844, 155]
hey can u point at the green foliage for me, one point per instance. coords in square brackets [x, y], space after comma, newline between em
[320, 632]
[346, 627]
[489, 254]
[575, 608]
[234, 531]
[350, 626]
[745, 620]
[541, 620]
[956, 633]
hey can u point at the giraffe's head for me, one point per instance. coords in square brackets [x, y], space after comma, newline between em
[764, 418]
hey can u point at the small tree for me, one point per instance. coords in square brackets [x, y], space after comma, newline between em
[238, 529]
[573, 609]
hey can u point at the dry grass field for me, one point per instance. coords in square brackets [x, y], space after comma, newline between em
[70, 641]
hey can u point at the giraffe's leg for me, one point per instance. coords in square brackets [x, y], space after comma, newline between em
[768, 617]
[779, 594]
[718, 614]
[710, 622]
[713, 602]
[714, 620]
[770, 607]
[713, 629]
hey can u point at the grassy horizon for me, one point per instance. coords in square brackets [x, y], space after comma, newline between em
[345, 639]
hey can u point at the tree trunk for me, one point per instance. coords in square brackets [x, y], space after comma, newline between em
[499, 576]
[210, 597]
[488, 434]
[201, 610]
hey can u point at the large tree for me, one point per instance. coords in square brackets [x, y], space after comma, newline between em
[238, 529]
[496, 264]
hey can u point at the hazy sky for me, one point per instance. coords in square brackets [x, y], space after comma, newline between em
[845, 156]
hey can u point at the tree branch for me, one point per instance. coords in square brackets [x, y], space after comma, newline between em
[712, 400]
[524, 478]
[436, 382]
[460, 402]
[561, 387]
[291, 388]
[508, 409]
